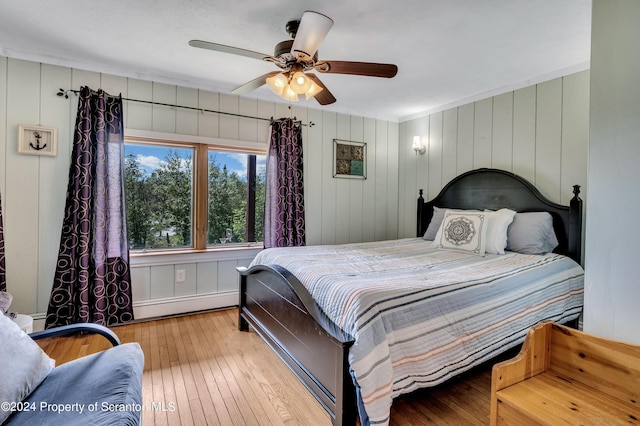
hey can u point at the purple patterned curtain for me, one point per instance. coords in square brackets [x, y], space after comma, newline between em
[92, 281]
[284, 192]
[3, 269]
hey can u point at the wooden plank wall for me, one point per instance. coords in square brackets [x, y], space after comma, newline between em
[33, 189]
[539, 132]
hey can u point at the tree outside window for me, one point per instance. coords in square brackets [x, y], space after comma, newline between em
[161, 198]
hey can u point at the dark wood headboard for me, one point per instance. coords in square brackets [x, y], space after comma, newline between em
[495, 189]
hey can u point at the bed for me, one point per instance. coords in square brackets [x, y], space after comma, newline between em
[345, 336]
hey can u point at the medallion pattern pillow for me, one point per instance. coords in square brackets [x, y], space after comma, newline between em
[464, 231]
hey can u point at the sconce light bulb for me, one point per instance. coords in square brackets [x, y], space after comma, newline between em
[417, 145]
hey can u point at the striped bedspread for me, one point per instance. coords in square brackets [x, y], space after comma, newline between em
[421, 315]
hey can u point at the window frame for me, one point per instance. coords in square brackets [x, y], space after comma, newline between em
[202, 146]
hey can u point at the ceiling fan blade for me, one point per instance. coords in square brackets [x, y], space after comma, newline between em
[325, 97]
[370, 69]
[228, 49]
[253, 84]
[312, 30]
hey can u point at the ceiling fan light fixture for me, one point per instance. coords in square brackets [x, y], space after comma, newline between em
[277, 83]
[313, 90]
[300, 83]
[289, 95]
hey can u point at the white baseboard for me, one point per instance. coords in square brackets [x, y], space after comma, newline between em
[182, 305]
[158, 308]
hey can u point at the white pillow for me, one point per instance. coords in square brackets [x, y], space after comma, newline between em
[463, 231]
[24, 365]
[497, 227]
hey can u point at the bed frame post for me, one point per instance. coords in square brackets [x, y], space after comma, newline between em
[575, 226]
[419, 226]
[243, 324]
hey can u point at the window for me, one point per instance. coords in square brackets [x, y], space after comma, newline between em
[192, 195]
[235, 197]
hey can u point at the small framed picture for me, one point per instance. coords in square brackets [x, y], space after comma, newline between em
[37, 140]
[349, 159]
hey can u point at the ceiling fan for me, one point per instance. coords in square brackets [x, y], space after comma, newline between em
[297, 57]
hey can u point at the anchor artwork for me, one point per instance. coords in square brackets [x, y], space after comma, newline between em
[37, 140]
[37, 136]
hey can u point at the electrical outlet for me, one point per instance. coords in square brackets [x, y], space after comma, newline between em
[181, 275]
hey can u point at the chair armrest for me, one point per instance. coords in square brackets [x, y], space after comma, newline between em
[66, 330]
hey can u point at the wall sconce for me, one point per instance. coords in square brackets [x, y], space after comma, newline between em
[417, 146]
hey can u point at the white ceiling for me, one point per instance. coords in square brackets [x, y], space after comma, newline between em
[448, 52]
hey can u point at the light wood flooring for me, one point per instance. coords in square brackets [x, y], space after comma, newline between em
[200, 370]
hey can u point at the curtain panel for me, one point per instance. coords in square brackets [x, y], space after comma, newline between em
[92, 281]
[284, 222]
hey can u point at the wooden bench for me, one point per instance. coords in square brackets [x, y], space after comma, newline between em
[565, 376]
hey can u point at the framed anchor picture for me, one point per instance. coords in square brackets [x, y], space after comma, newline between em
[37, 140]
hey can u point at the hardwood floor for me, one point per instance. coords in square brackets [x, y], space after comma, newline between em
[200, 370]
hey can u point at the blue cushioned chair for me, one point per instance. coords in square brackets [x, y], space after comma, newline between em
[104, 388]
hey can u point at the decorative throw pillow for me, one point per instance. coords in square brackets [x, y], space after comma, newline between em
[532, 233]
[463, 231]
[438, 235]
[437, 222]
[24, 365]
[497, 225]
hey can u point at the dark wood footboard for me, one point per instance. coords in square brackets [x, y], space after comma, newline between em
[282, 312]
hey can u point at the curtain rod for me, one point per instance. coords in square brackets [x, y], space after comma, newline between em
[65, 93]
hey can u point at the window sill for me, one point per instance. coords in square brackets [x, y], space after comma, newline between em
[162, 257]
